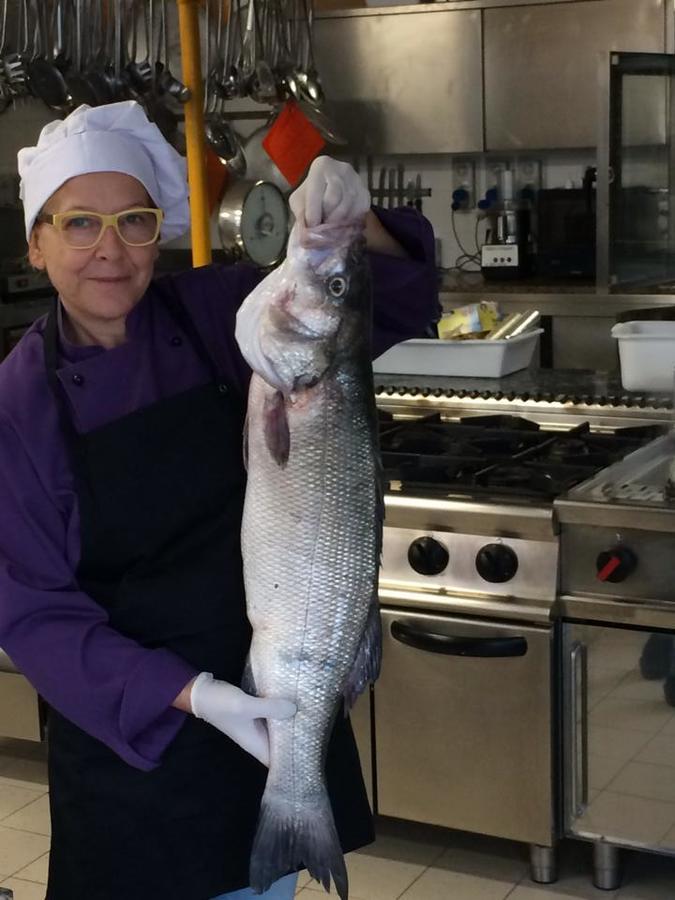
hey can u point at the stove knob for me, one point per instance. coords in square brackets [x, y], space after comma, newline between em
[616, 564]
[428, 556]
[496, 563]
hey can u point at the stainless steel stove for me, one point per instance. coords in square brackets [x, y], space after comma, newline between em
[465, 712]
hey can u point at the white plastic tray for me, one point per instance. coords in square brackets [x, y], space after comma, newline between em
[477, 359]
[647, 355]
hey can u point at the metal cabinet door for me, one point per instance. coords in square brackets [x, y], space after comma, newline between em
[465, 741]
[407, 82]
[619, 736]
[542, 64]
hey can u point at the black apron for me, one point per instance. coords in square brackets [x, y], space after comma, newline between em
[160, 495]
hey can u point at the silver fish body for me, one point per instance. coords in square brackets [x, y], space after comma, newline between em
[311, 540]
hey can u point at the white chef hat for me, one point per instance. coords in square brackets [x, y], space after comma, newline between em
[117, 137]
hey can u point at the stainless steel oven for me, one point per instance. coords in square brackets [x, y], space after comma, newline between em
[464, 721]
[464, 709]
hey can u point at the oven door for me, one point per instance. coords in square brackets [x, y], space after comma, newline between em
[463, 725]
[619, 735]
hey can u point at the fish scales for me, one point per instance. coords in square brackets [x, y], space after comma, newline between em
[311, 539]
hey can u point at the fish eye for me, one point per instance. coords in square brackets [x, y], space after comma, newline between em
[337, 286]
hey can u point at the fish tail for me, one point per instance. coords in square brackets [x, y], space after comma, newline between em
[291, 837]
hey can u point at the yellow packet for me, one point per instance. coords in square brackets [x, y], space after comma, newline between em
[470, 319]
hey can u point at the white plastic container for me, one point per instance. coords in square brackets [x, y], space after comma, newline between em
[477, 359]
[647, 355]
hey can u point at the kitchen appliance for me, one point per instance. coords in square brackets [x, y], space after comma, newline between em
[617, 600]
[464, 713]
[506, 252]
[565, 232]
[253, 221]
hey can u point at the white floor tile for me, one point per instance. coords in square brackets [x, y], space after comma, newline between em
[19, 848]
[601, 770]
[488, 858]
[645, 780]
[407, 842]
[33, 817]
[36, 871]
[625, 714]
[613, 743]
[372, 878]
[669, 728]
[25, 890]
[660, 751]
[441, 884]
[559, 892]
[635, 687]
[14, 798]
[620, 816]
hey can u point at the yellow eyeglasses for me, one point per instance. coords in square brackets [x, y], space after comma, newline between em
[83, 230]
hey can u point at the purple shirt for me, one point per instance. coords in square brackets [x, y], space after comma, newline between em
[58, 636]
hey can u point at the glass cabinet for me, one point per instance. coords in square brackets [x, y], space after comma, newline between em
[636, 173]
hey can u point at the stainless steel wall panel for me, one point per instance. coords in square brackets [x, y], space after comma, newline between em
[409, 83]
[541, 67]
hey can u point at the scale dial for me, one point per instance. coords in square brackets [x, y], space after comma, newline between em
[264, 224]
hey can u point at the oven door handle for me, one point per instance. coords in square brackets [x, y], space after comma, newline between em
[433, 642]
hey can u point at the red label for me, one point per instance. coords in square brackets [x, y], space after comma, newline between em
[293, 142]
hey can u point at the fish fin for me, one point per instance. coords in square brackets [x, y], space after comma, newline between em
[277, 434]
[247, 680]
[368, 658]
[289, 838]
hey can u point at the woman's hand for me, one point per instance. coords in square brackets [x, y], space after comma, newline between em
[333, 194]
[237, 714]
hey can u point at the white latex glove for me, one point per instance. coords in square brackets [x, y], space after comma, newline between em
[331, 194]
[237, 714]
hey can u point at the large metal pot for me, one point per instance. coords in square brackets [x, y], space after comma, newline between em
[253, 222]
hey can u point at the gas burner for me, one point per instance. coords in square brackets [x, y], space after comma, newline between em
[500, 456]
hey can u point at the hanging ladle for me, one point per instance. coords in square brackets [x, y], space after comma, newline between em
[45, 78]
[166, 81]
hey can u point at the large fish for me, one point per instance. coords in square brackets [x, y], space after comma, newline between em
[312, 528]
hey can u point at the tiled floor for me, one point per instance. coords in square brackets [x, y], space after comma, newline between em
[408, 862]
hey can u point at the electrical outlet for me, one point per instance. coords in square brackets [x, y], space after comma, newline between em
[527, 174]
[493, 173]
[463, 179]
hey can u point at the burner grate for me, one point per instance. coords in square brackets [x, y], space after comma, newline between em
[498, 455]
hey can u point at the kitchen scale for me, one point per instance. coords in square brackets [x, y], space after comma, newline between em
[253, 222]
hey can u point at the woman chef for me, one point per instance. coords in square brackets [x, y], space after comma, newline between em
[121, 489]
